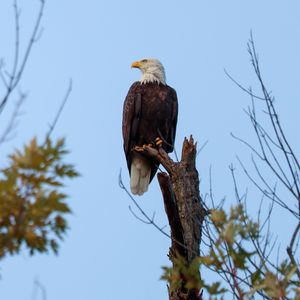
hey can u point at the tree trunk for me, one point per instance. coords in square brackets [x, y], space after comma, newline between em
[183, 205]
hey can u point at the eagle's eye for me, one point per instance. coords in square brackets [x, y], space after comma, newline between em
[144, 60]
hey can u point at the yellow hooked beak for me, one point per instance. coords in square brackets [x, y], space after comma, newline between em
[136, 64]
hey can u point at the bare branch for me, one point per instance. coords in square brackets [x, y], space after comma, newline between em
[64, 101]
[15, 75]
[149, 220]
[290, 249]
[13, 120]
[39, 287]
[248, 91]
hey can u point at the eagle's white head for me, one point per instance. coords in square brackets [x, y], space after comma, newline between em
[152, 70]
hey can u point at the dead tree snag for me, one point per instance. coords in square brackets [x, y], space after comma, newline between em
[180, 190]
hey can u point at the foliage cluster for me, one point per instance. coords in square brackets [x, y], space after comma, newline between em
[229, 257]
[32, 205]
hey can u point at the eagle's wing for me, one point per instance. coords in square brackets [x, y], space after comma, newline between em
[173, 123]
[130, 122]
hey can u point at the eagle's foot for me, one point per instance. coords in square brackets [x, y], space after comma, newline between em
[139, 149]
[142, 148]
[151, 145]
[158, 142]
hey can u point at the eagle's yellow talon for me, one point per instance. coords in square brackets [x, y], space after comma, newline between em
[158, 142]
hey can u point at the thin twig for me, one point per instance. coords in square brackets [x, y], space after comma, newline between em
[290, 249]
[12, 122]
[17, 72]
[147, 218]
[64, 101]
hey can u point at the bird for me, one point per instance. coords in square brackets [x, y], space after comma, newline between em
[150, 113]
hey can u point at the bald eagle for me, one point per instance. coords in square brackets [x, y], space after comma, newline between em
[149, 117]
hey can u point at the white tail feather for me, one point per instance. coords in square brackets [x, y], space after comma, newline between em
[140, 175]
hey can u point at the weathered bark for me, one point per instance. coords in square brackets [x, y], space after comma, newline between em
[180, 189]
[178, 246]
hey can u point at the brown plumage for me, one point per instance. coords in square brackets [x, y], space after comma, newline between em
[150, 111]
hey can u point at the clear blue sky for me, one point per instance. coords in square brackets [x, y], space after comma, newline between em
[107, 253]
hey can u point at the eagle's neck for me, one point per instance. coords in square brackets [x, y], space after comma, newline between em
[154, 74]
